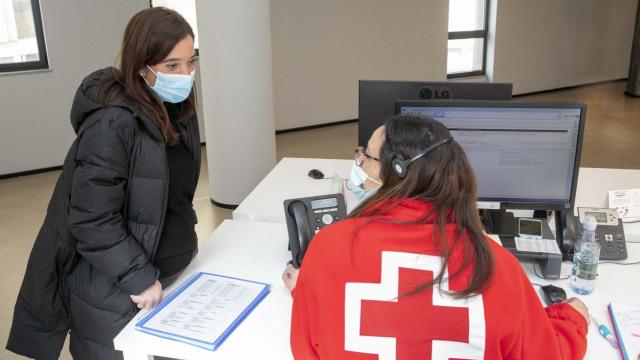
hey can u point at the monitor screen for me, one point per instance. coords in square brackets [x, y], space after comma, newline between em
[521, 153]
[377, 98]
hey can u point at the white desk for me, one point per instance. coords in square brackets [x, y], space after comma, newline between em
[255, 251]
[616, 283]
[288, 180]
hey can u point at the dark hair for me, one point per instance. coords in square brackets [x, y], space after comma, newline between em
[442, 178]
[148, 39]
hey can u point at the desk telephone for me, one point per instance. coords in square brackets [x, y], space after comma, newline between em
[609, 232]
[306, 216]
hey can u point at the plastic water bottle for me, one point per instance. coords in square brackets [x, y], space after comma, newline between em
[585, 259]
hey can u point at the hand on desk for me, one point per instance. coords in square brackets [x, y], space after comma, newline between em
[579, 306]
[150, 297]
[290, 277]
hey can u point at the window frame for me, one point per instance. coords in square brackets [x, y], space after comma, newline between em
[43, 62]
[473, 34]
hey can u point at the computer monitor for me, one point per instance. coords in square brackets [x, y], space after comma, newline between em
[377, 98]
[525, 155]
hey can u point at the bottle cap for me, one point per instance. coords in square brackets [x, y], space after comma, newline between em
[590, 223]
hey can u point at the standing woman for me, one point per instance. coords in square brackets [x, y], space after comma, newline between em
[120, 224]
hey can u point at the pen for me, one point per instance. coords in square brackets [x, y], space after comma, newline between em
[604, 331]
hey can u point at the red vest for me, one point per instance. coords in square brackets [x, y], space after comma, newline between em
[352, 300]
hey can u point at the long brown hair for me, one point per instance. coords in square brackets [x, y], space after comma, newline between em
[148, 39]
[444, 179]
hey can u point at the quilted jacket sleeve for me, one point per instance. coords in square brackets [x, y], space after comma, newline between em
[97, 199]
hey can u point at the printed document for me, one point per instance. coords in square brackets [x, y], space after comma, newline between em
[204, 310]
[548, 246]
[626, 203]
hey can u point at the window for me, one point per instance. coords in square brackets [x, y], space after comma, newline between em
[186, 8]
[21, 37]
[467, 38]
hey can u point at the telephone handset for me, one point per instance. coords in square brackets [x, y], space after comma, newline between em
[306, 216]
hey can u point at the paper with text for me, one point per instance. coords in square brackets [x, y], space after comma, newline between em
[205, 310]
[626, 203]
[547, 246]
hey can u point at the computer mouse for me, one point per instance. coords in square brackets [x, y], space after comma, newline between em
[553, 294]
[316, 174]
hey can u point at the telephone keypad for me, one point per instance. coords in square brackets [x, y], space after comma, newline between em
[612, 243]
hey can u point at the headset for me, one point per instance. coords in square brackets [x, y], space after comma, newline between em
[400, 165]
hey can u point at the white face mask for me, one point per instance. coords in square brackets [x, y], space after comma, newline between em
[357, 178]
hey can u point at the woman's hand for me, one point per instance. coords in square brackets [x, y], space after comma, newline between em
[579, 306]
[150, 297]
[290, 277]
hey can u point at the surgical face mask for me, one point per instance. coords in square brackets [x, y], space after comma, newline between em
[357, 178]
[173, 88]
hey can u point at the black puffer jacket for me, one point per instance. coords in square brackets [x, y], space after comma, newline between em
[105, 218]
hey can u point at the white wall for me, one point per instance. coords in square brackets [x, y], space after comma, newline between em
[547, 44]
[81, 36]
[322, 48]
[320, 51]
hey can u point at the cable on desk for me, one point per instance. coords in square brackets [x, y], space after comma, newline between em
[535, 270]
[618, 262]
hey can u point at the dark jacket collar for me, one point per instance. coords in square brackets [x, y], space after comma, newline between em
[87, 100]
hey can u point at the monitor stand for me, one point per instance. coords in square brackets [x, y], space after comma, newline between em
[504, 224]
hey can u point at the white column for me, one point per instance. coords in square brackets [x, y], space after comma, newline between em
[237, 95]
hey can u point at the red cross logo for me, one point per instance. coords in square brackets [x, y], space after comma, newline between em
[428, 324]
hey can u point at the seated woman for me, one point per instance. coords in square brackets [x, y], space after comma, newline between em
[411, 275]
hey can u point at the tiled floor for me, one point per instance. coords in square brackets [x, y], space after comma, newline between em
[611, 140]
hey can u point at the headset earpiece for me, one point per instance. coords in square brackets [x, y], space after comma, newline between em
[399, 166]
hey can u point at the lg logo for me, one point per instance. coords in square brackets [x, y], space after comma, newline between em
[434, 93]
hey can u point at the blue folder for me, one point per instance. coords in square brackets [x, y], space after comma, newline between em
[196, 342]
